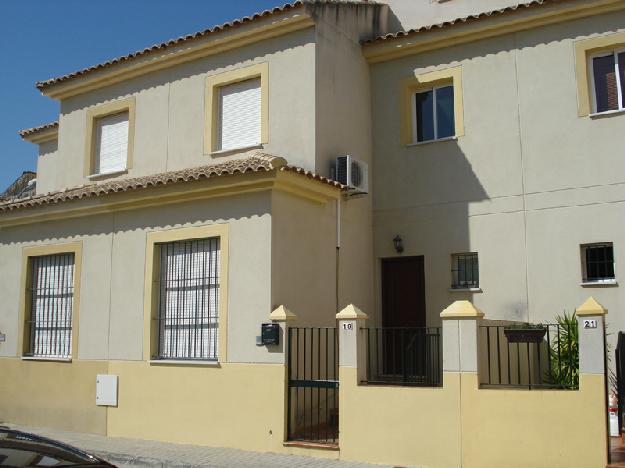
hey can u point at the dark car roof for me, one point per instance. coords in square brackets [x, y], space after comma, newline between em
[21, 449]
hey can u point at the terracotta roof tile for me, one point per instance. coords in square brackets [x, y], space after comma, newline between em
[30, 131]
[464, 19]
[191, 37]
[257, 162]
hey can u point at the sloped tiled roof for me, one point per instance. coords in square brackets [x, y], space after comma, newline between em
[195, 36]
[466, 19]
[31, 131]
[256, 162]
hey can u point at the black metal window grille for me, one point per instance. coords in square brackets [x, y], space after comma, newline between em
[465, 272]
[599, 262]
[188, 311]
[51, 295]
[551, 363]
[409, 356]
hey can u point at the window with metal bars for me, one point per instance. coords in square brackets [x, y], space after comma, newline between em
[598, 262]
[608, 80]
[465, 273]
[188, 309]
[51, 294]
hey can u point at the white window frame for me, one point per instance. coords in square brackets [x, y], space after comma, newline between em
[415, 140]
[599, 282]
[591, 57]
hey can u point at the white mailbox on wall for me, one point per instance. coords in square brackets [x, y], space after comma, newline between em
[106, 390]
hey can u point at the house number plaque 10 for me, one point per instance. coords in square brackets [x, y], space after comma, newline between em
[348, 326]
[590, 324]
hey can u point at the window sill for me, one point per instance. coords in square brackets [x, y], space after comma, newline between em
[184, 362]
[420, 143]
[598, 115]
[590, 284]
[227, 152]
[106, 175]
[47, 359]
[474, 290]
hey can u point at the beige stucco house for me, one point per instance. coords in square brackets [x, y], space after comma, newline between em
[189, 189]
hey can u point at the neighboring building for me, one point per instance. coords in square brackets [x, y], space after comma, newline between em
[24, 186]
[188, 190]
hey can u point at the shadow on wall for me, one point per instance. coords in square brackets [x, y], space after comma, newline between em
[423, 194]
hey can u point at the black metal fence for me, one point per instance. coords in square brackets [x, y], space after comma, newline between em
[313, 394]
[517, 359]
[410, 356]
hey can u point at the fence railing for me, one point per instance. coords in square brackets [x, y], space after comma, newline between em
[513, 358]
[313, 379]
[410, 356]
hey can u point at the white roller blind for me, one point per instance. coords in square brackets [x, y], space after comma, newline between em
[240, 115]
[112, 143]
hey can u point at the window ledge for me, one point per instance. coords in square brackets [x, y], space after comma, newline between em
[106, 175]
[420, 143]
[475, 290]
[241, 149]
[598, 115]
[184, 362]
[43, 358]
[590, 284]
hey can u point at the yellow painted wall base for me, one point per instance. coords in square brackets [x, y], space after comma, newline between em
[242, 406]
[538, 428]
[461, 425]
[52, 394]
[235, 405]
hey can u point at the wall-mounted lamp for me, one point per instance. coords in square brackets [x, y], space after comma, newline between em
[398, 243]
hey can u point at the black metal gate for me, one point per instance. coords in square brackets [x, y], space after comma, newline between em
[620, 378]
[313, 393]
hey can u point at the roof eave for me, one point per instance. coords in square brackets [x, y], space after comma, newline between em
[446, 35]
[291, 20]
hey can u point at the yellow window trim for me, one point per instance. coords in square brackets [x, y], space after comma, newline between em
[214, 82]
[116, 107]
[150, 300]
[421, 82]
[26, 275]
[583, 50]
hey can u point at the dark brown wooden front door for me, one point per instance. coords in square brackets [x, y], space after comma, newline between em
[403, 292]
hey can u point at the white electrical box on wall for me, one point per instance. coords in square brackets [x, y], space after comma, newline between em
[106, 390]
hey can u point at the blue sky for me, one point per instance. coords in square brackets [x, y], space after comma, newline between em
[41, 39]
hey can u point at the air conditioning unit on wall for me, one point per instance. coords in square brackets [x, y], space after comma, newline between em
[352, 173]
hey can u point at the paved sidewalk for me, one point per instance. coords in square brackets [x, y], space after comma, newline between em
[134, 452]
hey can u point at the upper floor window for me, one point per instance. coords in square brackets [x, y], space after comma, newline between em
[434, 114]
[240, 115]
[51, 295]
[111, 143]
[598, 263]
[608, 80]
[110, 138]
[431, 106]
[465, 272]
[237, 113]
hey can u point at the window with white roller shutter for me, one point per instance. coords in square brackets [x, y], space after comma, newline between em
[111, 143]
[239, 115]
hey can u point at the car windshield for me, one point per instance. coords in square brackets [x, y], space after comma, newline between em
[18, 449]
